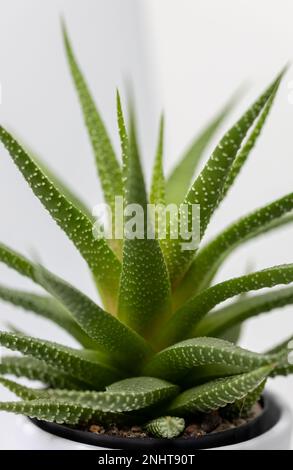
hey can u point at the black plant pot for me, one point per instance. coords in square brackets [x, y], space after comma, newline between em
[265, 421]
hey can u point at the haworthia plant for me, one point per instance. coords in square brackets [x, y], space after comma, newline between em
[154, 352]
[166, 427]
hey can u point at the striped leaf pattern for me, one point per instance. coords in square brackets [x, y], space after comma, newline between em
[49, 308]
[155, 353]
[123, 344]
[59, 412]
[35, 369]
[207, 189]
[218, 393]
[101, 260]
[210, 258]
[127, 395]
[166, 427]
[83, 365]
[174, 362]
[184, 321]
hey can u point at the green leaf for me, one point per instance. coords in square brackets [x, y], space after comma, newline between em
[223, 319]
[107, 332]
[283, 369]
[210, 258]
[122, 133]
[208, 187]
[19, 390]
[202, 374]
[85, 365]
[144, 297]
[280, 347]
[183, 322]
[48, 308]
[137, 393]
[101, 260]
[34, 369]
[218, 393]
[180, 178]
[126, 395]
[62, 186]
[176, 361]
[69, 413]
[249, 144]
[283, 353]
[166, 427]
[17, 262]
[56, 179]
[157, 195]
[107, 164]
[241, 408]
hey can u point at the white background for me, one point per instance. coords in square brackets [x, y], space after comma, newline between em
[184, 56]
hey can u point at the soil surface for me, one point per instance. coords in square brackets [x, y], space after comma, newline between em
[197, 427]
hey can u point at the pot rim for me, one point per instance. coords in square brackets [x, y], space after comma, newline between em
[270, 417]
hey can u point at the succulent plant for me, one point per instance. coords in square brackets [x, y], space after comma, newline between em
[160, 349]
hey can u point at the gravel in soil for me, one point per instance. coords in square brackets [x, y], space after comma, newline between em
[196, 427]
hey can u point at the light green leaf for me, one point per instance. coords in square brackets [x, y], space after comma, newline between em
[180, 178]
[210, 258]
[144, 298]
[107, 332]
[52, 411]
[166, 427]
[107, 165]
[183, 322]
[122, 133]
[101, 260]
[16, 261]
[56, 179]
[208, 187]
[157, 195]
[19, 390]
[34, 369]
[48, 308]
[219, 393]
[84, 365]
[62, 186]
[221, 320]
[176, 361]
[249, 144]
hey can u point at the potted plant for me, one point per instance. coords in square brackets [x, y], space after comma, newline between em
[158, 364]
